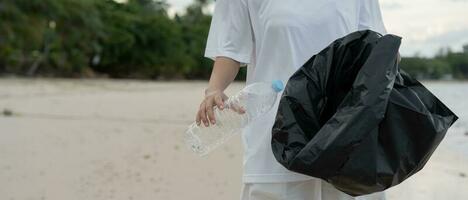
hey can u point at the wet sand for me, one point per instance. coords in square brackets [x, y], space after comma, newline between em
[103, 139]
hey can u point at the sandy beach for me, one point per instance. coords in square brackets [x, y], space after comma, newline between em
[63, 139]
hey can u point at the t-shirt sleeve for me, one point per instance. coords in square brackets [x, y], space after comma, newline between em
[370, 16]
[230, 33]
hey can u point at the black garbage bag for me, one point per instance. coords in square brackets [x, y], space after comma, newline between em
[353, 118]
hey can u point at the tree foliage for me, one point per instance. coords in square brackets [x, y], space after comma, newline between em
[74, 37]
[444, 65]
[136, 39]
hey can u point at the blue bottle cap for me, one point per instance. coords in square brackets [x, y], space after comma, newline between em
[277, 85]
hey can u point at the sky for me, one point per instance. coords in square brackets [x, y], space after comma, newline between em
[425, 25]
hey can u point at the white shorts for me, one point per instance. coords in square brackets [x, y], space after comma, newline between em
[314, 189]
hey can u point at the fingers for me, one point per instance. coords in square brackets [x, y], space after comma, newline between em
[209, 111]
[237, 108]
[202, 114]
[198, 118]
[219, 102]
[205, 112]
[240, 110]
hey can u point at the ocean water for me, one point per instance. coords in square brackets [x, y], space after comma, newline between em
[455, 96]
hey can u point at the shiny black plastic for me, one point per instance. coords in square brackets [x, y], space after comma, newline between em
[353, 118]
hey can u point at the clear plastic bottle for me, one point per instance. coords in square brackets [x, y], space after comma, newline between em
[256, 99]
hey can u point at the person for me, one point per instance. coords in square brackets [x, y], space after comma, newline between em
[273, 38]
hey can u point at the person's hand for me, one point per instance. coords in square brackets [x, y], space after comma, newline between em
[214, 98]
[205, 112]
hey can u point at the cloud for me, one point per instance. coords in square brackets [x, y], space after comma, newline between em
[427, 25]
[430, 46]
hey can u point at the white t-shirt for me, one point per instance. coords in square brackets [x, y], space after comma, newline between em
[274, 38]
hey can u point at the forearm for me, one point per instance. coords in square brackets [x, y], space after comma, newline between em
[224, 72]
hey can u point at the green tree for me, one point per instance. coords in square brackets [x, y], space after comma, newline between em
[140, 40]
[43, 37]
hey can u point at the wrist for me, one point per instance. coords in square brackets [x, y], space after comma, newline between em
[210, 91]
